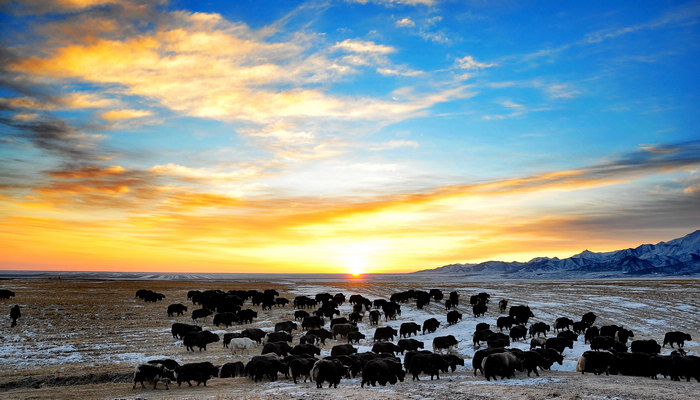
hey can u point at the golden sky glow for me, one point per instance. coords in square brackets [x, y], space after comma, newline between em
[349, 137]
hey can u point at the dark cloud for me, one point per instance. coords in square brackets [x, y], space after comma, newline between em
[56, 137]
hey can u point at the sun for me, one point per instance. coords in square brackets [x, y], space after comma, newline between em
[355, 264]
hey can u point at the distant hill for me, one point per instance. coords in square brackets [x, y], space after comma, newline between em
[678, 257]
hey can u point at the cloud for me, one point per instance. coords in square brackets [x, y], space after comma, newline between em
[393, 144]
[88, 172]
[470, 63]
[204, 66]
[206, 175]
[360, 46]
[398, 72]
[118, 115]
[57, 137]
[405, 23]
[427, 3]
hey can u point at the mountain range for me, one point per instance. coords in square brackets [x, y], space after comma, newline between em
[678, 257]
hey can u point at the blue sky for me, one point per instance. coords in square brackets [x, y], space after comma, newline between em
[315, 135]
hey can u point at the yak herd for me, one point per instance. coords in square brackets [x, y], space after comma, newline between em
[318, 319]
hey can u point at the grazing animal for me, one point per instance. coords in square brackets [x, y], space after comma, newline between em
[225, 318]
[374, 317]
[441, 343]
[301, 367]
[254, 333]
[501, 364]
[385, 333]
[454, 299]
[537, 342]
[15, 314]
[153, 373]
[382, 371]
[427, 363]
[312, 322]
[280, 336]
[180, 330]
[199, 340]
[242, 343]
[498, 339]
[386, 347]
[279, 348]
[410, 344]
[321, 334]
[6, 294]
[453, 316]
[532, 360]
[518, 332]
[430, 325]
[521, 314]
[562, 323]
[598, 362]
[408, 328]
[481, 336]
[343, 350]
[559, 344]
[590, 334]
[481, 326]
[229, 336]
[199, 372]
[343, 330]
[330, 371]
[568, 335]
[588, 318]
[355, 336]
[479, 309]
[300, 315]
[267, 365]
[436, 294]
[306, 350]
[552, 356]
[178, 309]
[502, 305]
[676, 337]
[602, 343]
[231, 370]
[479, 356]
[309, 339]
[281, 302]
[453, 361]
[539, 327]
[201, 313]
[286, 326]
[505, 322]
[355, 317]
[166, 362]
[645, 346]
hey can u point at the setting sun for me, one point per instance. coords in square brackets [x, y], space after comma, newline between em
[355, 264]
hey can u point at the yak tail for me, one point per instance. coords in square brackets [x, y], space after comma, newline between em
[581, 365]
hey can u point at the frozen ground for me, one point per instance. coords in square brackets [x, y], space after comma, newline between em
[75, 328]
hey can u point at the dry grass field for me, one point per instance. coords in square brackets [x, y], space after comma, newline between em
[82, 339]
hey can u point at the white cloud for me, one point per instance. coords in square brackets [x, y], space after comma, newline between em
[393, 144]
[405, 23]
[361, 46]
[469, 63]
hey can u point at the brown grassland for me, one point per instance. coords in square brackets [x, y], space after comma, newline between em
[83, 338]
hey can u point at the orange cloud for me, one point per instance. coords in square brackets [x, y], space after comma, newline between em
[89, 172]
[117, 115]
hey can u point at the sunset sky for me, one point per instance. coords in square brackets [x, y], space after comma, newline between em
[341, 135]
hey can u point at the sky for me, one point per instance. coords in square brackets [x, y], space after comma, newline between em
[340, 135]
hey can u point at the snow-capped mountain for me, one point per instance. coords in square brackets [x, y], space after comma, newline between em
[678, 257]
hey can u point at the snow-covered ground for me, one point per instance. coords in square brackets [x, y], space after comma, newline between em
[70, 327]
